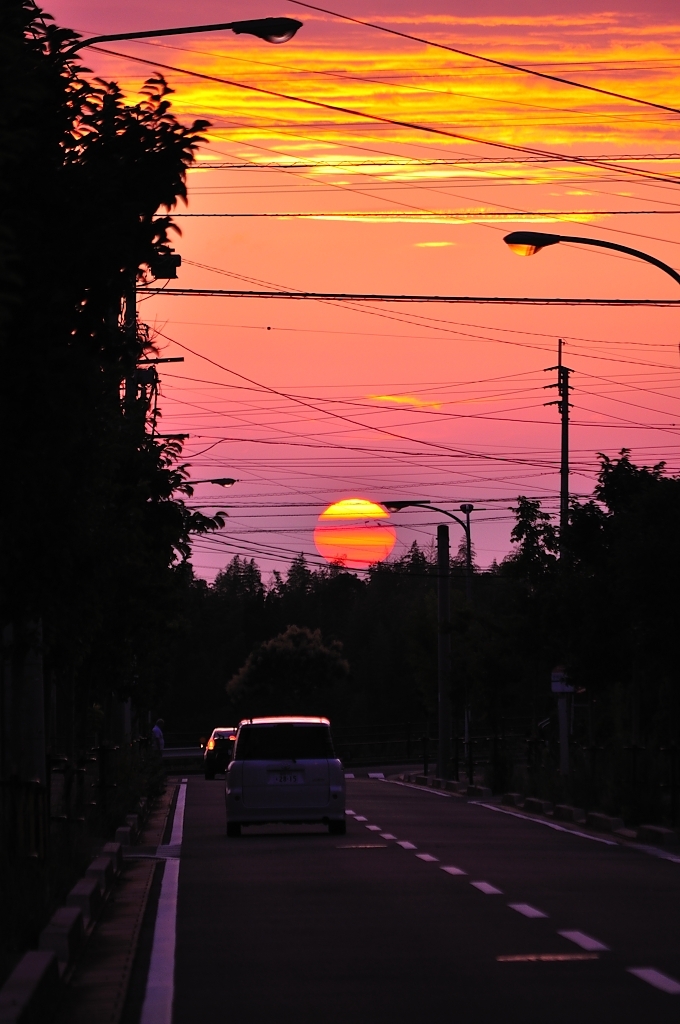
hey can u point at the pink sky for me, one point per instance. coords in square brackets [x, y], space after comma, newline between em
[462, 385]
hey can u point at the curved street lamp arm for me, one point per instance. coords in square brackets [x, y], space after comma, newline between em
[451, 515]
[272, 25]
[624, 248]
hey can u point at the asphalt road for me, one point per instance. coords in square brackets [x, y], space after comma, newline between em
[291, 924]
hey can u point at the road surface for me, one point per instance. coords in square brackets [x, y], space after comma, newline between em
[430, 909]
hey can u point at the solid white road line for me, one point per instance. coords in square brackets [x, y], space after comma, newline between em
[584, 941]
[487, 888]
[373, 828]
[421, 789]
[528, 911]
[160, 982]
[657, 979]
[387, 835]
[451, 870]
[376, 775]
[405, 845]
[427, 857]
[360, 817]
[539, 821]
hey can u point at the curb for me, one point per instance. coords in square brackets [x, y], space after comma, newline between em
[30, 993]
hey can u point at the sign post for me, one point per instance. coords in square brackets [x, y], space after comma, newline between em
[559, 684]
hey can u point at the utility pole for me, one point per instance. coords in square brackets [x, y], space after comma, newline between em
[563, 388]
[444, 652]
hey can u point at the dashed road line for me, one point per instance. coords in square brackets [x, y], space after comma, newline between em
[387, 835]
[656, 978]
[487, 888]
[451, 870]
[373, 828]
[427, 857]
[528, 911]
[518, 958]
[351, 813]
[405, 845]
[584, 941]
[360, 817]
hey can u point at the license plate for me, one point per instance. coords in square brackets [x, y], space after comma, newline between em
[285, 778]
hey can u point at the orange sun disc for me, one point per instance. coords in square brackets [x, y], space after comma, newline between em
[352, 532]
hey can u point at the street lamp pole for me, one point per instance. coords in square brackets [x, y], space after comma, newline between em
[271, 30]
[528, 243]
[444, 617]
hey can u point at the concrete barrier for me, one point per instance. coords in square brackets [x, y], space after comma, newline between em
[537, 806]
[101, 868]
[29, 995]
[565, 812]
[64, 935]
[87, 895]
[454, 786]
[511, 799]
[654, 835]
[124, 835]
[132, 821]
[603, 822]
[483, 792]
[421, 780]
[114, 851]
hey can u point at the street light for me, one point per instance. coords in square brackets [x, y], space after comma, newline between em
[222, 481]
[272, 30]
[528, 243]
[466, 508]
[443, 618]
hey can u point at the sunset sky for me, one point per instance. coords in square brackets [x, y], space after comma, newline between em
[309, 402]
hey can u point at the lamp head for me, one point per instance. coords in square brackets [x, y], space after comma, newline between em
[527, 243]
[224, 481]
[466, 508]
[397, 506]
[272, 30]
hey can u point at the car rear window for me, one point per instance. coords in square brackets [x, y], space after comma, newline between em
[274, 742]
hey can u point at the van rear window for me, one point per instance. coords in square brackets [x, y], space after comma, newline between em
[279, 742]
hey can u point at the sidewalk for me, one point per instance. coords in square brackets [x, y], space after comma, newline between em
[97, 990]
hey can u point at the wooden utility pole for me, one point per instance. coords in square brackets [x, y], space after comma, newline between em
[563, 388]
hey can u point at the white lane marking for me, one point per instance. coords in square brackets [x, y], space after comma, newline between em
[178, 820]
[657, 979]
[373, 828]
[528, 911]
[387, 835]
[349, 812]
[376, 775]
[405, 845]
[160, 982]
[487, 888]
[360, 817]
[349, 775]
[584, 941]
[427, 857]
[451, 870]
[539, 821]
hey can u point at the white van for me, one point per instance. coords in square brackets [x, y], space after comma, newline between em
[285, 770]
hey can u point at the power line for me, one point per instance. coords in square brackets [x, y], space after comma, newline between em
[434, 216]
[430, 129]
[238, 293]
[491, 60]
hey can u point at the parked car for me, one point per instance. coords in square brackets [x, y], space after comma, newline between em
[218, 751]
[285, 770]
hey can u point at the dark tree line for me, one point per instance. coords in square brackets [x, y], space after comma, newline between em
[94, 528]
[607, 611]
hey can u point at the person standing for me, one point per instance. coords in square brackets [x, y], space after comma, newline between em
[157, 738]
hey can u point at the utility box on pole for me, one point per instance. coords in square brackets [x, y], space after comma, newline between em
[559, 684]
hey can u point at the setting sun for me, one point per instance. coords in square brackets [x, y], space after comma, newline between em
[350, 532]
